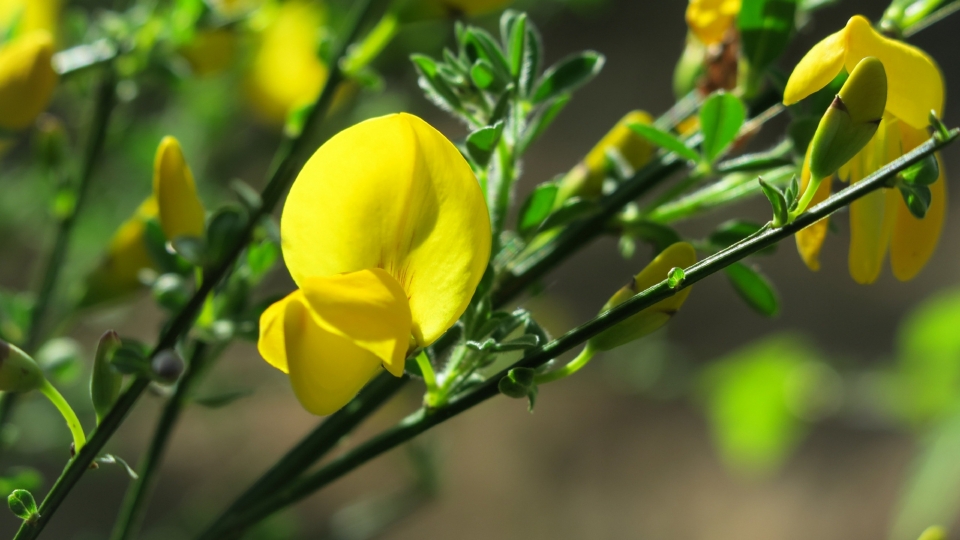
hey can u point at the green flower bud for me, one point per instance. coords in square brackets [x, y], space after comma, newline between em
[105, 381]
[933, 533]
[851, 120]
[18, 372]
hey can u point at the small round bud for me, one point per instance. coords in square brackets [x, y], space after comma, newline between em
[167, 366]
[18, 372]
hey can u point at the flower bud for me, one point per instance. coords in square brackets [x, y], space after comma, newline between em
[18, 372]
[851, 120]
[679, 255]
[27, 79]
[105, 381]
[180, 210]
[586, 179]
[167, 366]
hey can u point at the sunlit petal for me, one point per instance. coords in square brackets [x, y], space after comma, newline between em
[368, 307]
[392, 193]
[326, 370]
[272, 345]
[817, 68]
[914, 80]
[181, 212]
[27, 79]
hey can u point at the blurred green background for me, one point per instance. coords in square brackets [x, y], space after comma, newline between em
[839, 419]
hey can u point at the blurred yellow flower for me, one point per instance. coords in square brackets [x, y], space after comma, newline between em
[210, 51]
[174, 203]
[881, 221]
[710, 20]
[287, 71]
[29, 15]
[386, 233]
[27, 79]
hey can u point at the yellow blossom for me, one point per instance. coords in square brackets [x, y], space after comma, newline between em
[174, 203]
[879, 222]
[386, 234]
[915, 84]
[27, 79]
[287, 72]
[710, 20]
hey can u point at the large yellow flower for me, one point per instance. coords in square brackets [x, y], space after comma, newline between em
[879, 222]
[174, 203]
[386, 234]
[710, 20]
[27, 79]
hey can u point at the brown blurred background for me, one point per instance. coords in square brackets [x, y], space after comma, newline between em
[603, 456]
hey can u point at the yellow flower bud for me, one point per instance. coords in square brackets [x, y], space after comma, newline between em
[710, 20]
[181, 212]
[586, 179]
[27, 79]
[18, 372]
[679, 255]
[852, 119]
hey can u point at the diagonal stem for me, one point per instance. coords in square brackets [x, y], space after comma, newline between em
[415, 424]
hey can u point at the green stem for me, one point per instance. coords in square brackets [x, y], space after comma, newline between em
[73, 423]
[574, 366]
[807, 197]
[232, 525]
[280, 180]
[134, 503]
[932, 18]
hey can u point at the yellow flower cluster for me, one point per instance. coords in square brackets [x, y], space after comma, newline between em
[880, 222]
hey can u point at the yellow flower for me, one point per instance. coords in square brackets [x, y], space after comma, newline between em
[915, 84]
[879, 222]
[386, 234]
[586, 179]
[29, 15]
[174, 203]
[27, 79]
[710, 20]
[210, 51]
[287, 72]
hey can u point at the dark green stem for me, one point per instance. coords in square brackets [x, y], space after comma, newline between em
[233, 526]
[103, 109]
[134, 504]
[280, 180]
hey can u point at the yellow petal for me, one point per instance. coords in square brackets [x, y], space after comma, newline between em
[810, 240]
[271, 344]
[816, 69]
[914, 80]
[118, 272]
[287, 72]
[326, 370]
[678, 255]
[914, 240]
[710, 20]
[367, 307]
[29, 15]
[181, 212]
[392, 193]
[27, 79]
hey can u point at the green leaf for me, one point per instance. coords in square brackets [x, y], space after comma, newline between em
[665, 140]
[766, 27]
[482, 74]
[543, 120]
[532, 58]
[721, 117]
[224, 230]
[61, 359]
[792, 193]
[478, 43]
[537, 207]
[23, 505]
[190, 248]
[777, 201]
[261, 257]
[572, 210]
[216, 401]
[568, 75]
[517, 45]
[924, 173]
[482, 143]
[917, 199]
[433, 85]
[733, 231]
[754, 288]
